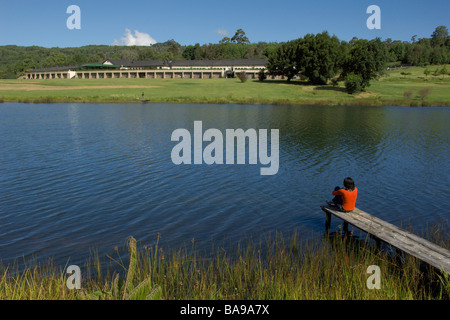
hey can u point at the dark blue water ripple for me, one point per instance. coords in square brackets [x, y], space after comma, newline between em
[79, 176]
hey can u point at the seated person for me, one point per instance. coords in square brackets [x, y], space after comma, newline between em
[345, 198]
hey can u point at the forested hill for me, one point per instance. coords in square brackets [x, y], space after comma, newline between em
[14, 60]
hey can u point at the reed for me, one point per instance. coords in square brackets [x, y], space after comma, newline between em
[276, 267]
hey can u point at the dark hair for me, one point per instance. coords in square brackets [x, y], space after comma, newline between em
[349, 184]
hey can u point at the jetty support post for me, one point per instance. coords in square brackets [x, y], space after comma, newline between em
[345, 227]
[377, 241]
[327, 222]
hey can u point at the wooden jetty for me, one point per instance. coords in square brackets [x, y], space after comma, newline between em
[401, 239]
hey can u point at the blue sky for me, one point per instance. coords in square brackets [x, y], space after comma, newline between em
[43, 23]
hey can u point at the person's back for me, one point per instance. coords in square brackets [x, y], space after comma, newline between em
[346, 197]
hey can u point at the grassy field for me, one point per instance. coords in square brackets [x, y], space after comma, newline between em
[403, 87]
[275, 268]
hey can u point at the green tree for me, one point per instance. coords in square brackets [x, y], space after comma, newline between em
[270, 49]
[29, 63]
[398, 50]
[353, 83]
[366, 59]
[77, 59]
[174, 48]
[439, 36]
[438, 55]
[283, 61]
[318, 57]
[239, 37]
[225, 40]
[55, 59]
[147, 53]
[101, 56]
[233, 50]
[130, 54]
[189, 52]
[419, 53]
[209, 52]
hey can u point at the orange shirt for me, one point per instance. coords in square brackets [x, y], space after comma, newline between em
[348, 198]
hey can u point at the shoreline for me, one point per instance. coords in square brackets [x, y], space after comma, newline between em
[392, 89]
[304, 102]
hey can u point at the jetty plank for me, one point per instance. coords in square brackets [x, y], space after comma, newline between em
[399, 238]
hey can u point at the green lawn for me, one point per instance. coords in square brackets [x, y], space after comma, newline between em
[388, 90]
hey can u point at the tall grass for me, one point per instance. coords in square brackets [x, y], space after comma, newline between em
[34, 282]
[276, 267]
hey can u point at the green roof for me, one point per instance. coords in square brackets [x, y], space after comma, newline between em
[100, 65]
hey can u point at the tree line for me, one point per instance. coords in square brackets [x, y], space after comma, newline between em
[319, 57]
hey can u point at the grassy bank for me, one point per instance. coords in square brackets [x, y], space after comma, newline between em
[278, 267]
[403, 87]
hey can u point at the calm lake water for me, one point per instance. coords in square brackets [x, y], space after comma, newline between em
[74, 177]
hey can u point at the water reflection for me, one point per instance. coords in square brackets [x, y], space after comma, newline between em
[74, 118]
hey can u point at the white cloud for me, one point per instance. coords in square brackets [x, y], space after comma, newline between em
[138, 39]
[222, 32]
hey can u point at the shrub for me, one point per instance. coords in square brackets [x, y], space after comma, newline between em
[262, 75]
[436, 72]
[443, 71]
[353, 83]
[424, 92]
[408, 94]
[242, 76]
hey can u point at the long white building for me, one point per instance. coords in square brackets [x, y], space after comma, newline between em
[115, 68]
